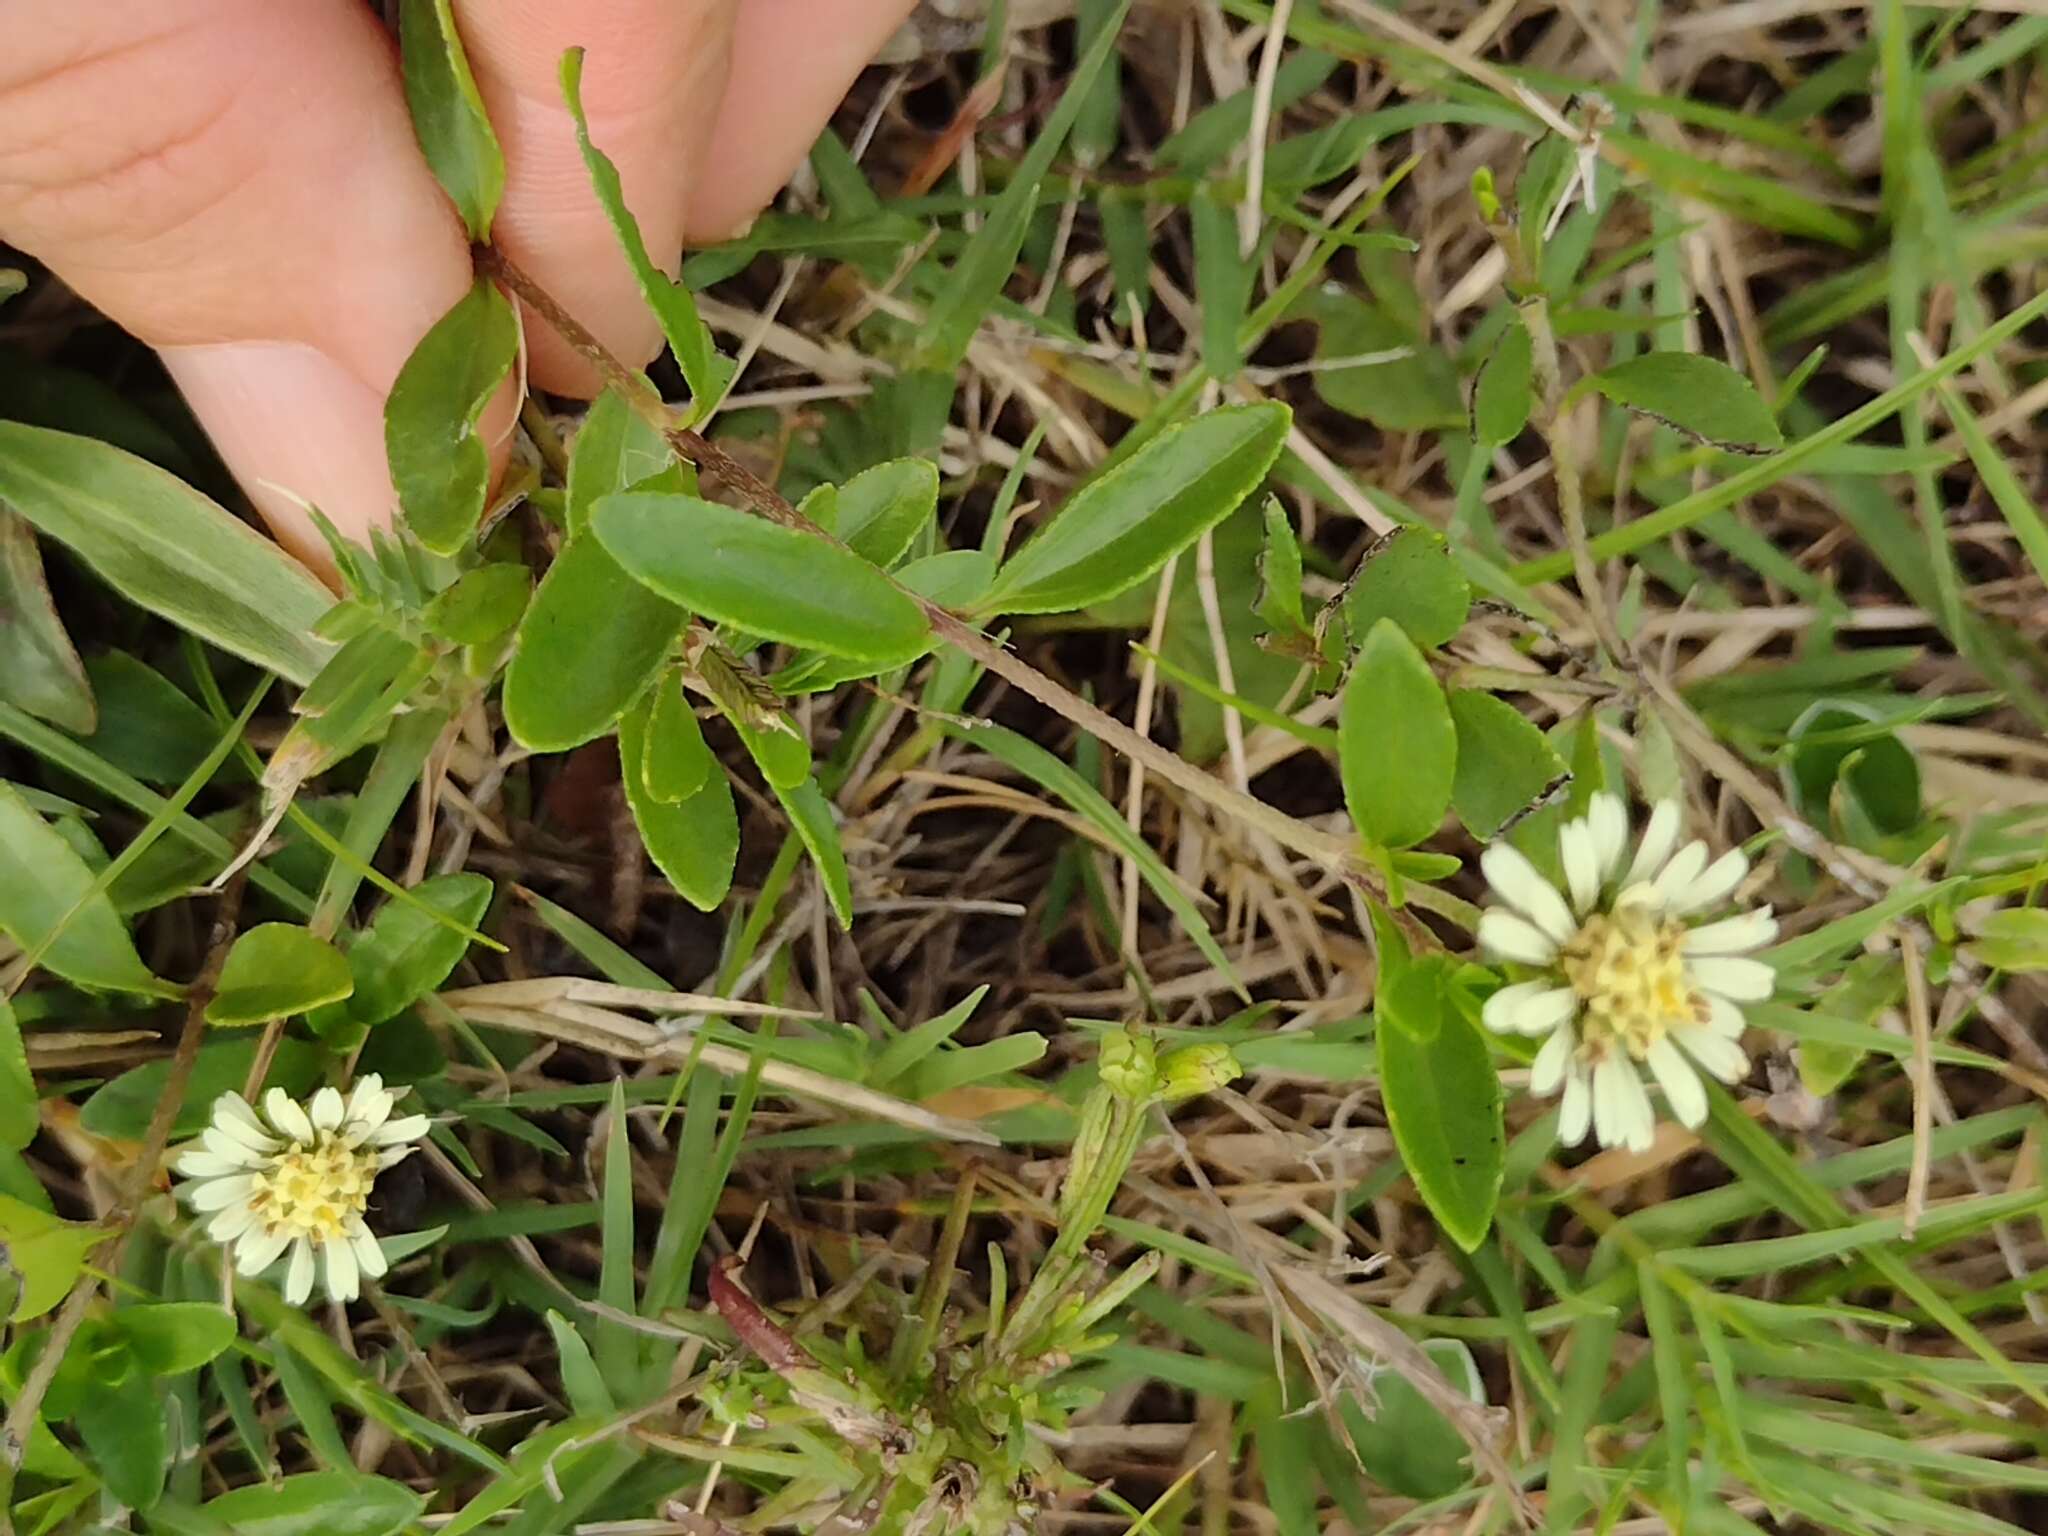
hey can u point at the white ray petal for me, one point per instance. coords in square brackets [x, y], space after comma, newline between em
[410, 1128]
[1515, 938]
[1681, 1084]
[1733, 935]
[1717, 884]
[1522, 886]
[259, 1248]
[1529, 1008]
[1655, 848]
[298, 1280]
[1716, 1052]
[214, 1194]
[286, 1115]
[343, 1278]
[1736, 978]
[1576, 1117]
[231, 1223]
[369, 1254]
[199, 1163]
[233, 1117]
[1607, 818]
[1581, 860]
[1685, 867]
[1552, 1062]
[327, 1110]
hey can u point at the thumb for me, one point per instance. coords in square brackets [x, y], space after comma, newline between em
[258, 211]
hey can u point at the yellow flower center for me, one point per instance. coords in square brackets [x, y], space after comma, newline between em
[1628, 968]
[313, 1189]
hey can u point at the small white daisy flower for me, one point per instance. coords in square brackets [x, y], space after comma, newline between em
[1630, 978]
[298, 1177]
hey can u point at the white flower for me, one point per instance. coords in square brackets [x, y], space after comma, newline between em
[1630, 978]
[298, 1177]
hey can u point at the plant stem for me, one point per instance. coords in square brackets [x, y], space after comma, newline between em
[1326, 849]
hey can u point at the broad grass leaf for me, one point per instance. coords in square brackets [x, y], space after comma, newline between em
[448, 113]
[1443, 1100]
[439, 464]
[276, 970]
[148, 726]
[39, 667]
[694, 842]
[404, 953]
[705, 369]
[318, 1504]
[1505, 392]
[1122, 526]
[120, 1110]
[810, 813]
[1414, 582]
[1700, 396]
[768, 580]
[1504, 762]
[48, 905]
[19, 1111]
[166, 548]
[881, 510]
[589, 642]
[970, 290]
[1397, 749]
[677, 760]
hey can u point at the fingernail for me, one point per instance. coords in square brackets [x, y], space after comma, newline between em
[296, 428]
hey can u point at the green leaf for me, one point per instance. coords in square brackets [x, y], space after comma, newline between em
[19, 1111]
[881, 510]
[148, 726]
[952, 578]
[405, 953]
[448, 113]
[677, 759]
[122, 1424]
[482, 605]
[704, 369]
[1700, 396]
[166, 548]
[1223, 279]
[589, 642]
[1279, 601]
[1401, 394]
[2015, 939]
[581, 1379]
[1397, 748]
[975, 283]
[39, 667]
[439, 464]
[1414, 582]
[49, 907]
[1122, 526]
[1504, 762]
[811, 814]
[694, 842]
[616, 447]
[168, 1338]
[318, 1504]
[1504, 394]
[40, 1256]
[1838, 752]
[122, 1108]
[276, 970]
[769, 580]
[1443, 1100]
[1402, 1441]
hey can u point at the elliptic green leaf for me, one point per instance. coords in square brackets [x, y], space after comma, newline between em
[1397, 749]
[678, 759]
[2013, 940]
[448, 113]
[590, 640]
[705, 370]
[766, 579]
[811, 814]
[438, 462]
[169, 1337]
[166, 548]
[122, 1424]
[276, 970]
[880, 510]
[1403, 1442]
[318, 1504]
[404, 953]
[694, 842]
[1505, 393]
[39, 667]
[1700, 396]
[1443, 1100]
[1413, 581]
[48, 906]
[615, 448]
[40, 1255]
[1504, 762]
[1121, 527]
[482, 605]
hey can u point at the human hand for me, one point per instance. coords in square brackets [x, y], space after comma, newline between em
[237, 183]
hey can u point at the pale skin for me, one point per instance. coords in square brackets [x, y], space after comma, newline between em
[236, 182]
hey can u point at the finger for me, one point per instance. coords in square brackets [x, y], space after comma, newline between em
[257, 209]
[792, 61]
[652, 79]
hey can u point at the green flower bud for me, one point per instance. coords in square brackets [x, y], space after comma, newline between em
[1194, 1070]
[1130, 1066]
